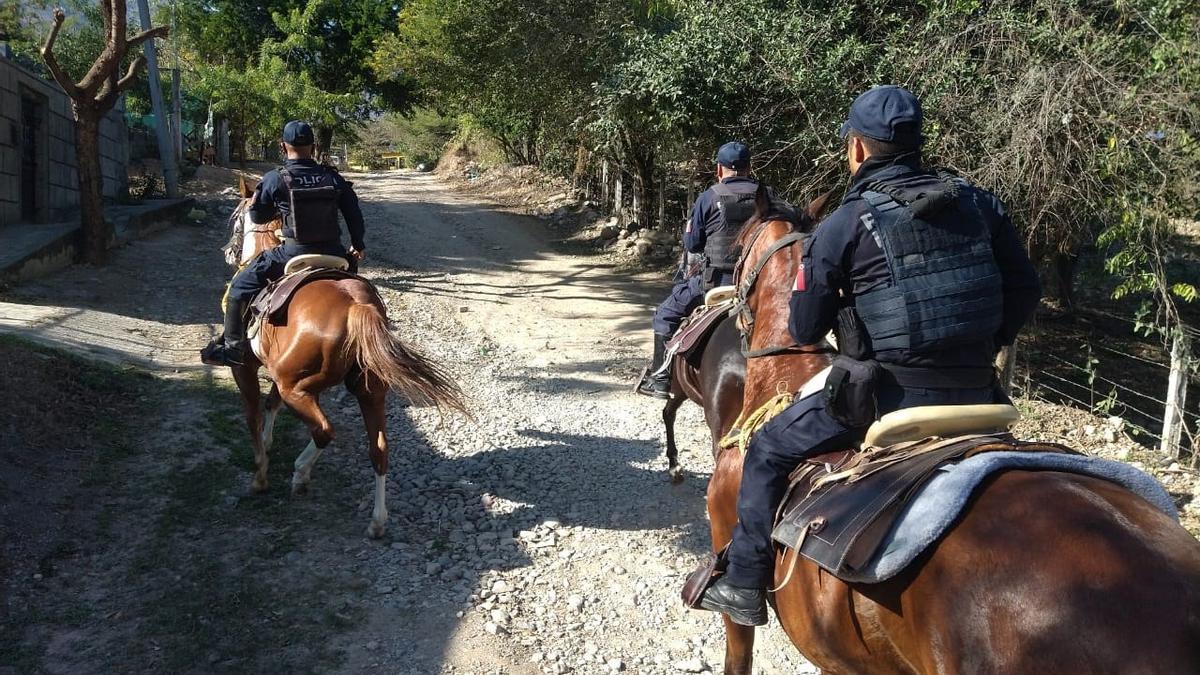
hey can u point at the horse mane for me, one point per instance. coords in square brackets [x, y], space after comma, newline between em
[233, 248]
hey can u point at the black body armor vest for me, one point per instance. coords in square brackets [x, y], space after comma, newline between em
[946, 288]
[736, 209]
[313, 216]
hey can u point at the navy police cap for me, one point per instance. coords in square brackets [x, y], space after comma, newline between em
[734, 155]
[886, 113]
[297, 133]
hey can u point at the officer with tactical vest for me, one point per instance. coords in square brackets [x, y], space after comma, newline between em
[717, 217]
[308, 196]
[923, 278]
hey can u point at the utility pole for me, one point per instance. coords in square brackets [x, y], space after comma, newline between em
[165, 153]
[176, 95]
[177, 115]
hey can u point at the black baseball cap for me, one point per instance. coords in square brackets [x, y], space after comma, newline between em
[886, 113]
[297, 133]
[734, 155]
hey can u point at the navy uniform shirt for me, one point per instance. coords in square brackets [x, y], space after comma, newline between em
[842, 260]
[271, 199]
[706, 216]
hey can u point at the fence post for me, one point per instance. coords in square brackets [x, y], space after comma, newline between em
[619, 198]
[662, 201]
[1173, 420]
[604, 184]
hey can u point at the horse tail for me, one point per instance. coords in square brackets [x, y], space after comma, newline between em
[370, 341]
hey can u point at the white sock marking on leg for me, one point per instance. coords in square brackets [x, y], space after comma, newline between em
[304, 463]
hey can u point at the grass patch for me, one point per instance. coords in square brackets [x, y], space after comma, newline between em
[202, 571]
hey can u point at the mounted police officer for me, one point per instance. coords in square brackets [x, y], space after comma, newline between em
[308, 196]
[923, 277]
[718, 216]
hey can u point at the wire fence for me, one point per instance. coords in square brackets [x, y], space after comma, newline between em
[1147, 390]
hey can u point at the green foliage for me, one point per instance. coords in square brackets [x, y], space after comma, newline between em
[1082, 115]
[420, 137]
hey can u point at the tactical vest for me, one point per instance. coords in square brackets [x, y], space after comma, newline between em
[946, 288]
[313, 216]
[736, 209]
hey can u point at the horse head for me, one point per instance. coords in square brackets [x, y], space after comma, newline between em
[772, 244]
[247, 239]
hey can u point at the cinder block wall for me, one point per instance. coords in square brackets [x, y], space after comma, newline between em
[58, 182]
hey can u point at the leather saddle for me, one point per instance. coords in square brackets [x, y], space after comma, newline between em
[272, 302]
[702, 322]
[840, 506]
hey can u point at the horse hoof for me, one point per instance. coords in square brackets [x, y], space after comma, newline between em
[259, 487]
[299, 489]
[676, 474]
[375, 530]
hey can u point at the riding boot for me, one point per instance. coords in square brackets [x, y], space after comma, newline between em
[229, 351]
[743, 606]
[656, 380]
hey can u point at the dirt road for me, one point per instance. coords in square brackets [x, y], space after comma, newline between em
[544, 537]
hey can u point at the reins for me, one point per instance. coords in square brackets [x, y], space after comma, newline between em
[741, 308]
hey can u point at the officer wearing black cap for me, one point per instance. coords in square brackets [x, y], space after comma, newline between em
[923, 278]
[307, 196]
[717, 217]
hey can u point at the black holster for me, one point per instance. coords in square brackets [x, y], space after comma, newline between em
[851, 391]
[712, 277]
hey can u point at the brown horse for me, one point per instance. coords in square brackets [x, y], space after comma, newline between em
[714, 382]
[715, 379]
[1045, 572]
[336, 332]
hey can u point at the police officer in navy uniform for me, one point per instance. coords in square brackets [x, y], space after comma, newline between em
[923, 277]
[308, 196]
[717, 217]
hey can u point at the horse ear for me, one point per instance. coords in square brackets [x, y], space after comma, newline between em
[817, 206]
[244, 188]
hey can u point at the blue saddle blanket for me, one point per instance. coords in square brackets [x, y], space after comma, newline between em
[929, 514]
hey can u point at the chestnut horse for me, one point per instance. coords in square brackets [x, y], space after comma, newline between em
[336, 332]
[1045, 572]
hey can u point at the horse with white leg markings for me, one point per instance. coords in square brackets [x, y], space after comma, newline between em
[332, 330]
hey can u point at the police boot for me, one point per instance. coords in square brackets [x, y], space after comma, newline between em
[743, 606]
[656, 380]
[230, 352]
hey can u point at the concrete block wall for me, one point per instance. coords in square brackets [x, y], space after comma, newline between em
[10, 114]
[59, 181]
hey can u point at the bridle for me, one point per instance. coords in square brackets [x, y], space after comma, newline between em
[745, 286]
[236, 225]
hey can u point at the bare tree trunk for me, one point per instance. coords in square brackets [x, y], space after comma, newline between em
[91, 98]
[97, 232]
[324, 142]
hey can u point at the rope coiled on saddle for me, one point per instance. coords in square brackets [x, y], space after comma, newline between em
[744, 427]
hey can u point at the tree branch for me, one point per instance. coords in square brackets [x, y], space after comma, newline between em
[159, 32]
[60, 76]
[131, 74]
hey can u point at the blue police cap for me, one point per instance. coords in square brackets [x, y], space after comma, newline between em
[297, 133]
[734, 155]
[886, 113]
